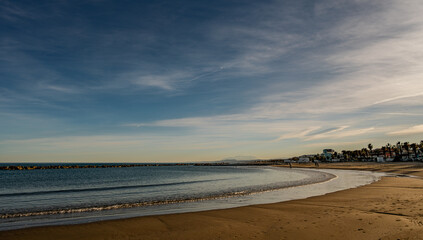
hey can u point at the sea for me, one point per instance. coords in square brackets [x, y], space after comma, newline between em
[41, 197]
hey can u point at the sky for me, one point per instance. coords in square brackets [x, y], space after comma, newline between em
[190, 81]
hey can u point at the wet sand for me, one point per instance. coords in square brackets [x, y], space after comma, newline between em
[409, 168]
[389, 209]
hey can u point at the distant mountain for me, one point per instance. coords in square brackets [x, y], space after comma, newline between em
[238, 159]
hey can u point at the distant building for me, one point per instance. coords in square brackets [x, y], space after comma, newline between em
[304, 160]
[328, 154]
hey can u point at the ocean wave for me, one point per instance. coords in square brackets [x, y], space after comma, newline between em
[239, 192]
[104, 188]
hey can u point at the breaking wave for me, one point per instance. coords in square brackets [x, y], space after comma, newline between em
[317, 178]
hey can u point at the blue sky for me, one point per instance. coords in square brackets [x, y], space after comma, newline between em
[162, 81]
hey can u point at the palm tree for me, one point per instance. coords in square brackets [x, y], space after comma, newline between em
[414, 147]
[383, 151]
[399, 149]
[344, 153]
[407, 148]
[421, 149]
[364, 153]
[388, 146]
[370, 146]
[354, 154]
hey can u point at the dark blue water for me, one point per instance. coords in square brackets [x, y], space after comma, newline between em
[57, 192]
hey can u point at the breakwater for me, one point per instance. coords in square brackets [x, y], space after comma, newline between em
[35, 167]
[116, 165]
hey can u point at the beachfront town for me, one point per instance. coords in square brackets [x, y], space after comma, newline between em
[399, 152]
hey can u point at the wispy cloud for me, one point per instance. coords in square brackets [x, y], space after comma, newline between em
[363, 72]
[317, 133]
[322, 145]
[418, 129]
[399, 97]
[402, 113]
[11, 12]
[173, 81]
[162, 82]
[132, 144]
[63, 89]
[324, 133]
[339, 133]
[300, 134]
[301, 74]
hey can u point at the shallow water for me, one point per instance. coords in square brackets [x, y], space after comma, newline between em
[63, 196]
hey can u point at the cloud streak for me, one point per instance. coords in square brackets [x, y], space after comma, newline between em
[418, 129]
[399, 98]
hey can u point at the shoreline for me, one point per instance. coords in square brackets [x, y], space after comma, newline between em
[404, 168]
[322, 183]
[374, 204]
[317, 179]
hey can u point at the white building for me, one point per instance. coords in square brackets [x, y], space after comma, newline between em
[304, 160]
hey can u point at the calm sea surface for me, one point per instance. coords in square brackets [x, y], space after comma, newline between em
[31, 197]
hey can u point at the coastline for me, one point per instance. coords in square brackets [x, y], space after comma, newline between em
[230, 195]
[406, 168]
[388, 209]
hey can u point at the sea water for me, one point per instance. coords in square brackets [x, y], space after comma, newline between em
[62, 196]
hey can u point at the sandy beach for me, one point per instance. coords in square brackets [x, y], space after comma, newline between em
[391, 208]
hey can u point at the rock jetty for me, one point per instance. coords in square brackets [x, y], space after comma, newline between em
[20, 167]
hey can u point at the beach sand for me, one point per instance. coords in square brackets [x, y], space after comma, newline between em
[388, 209]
